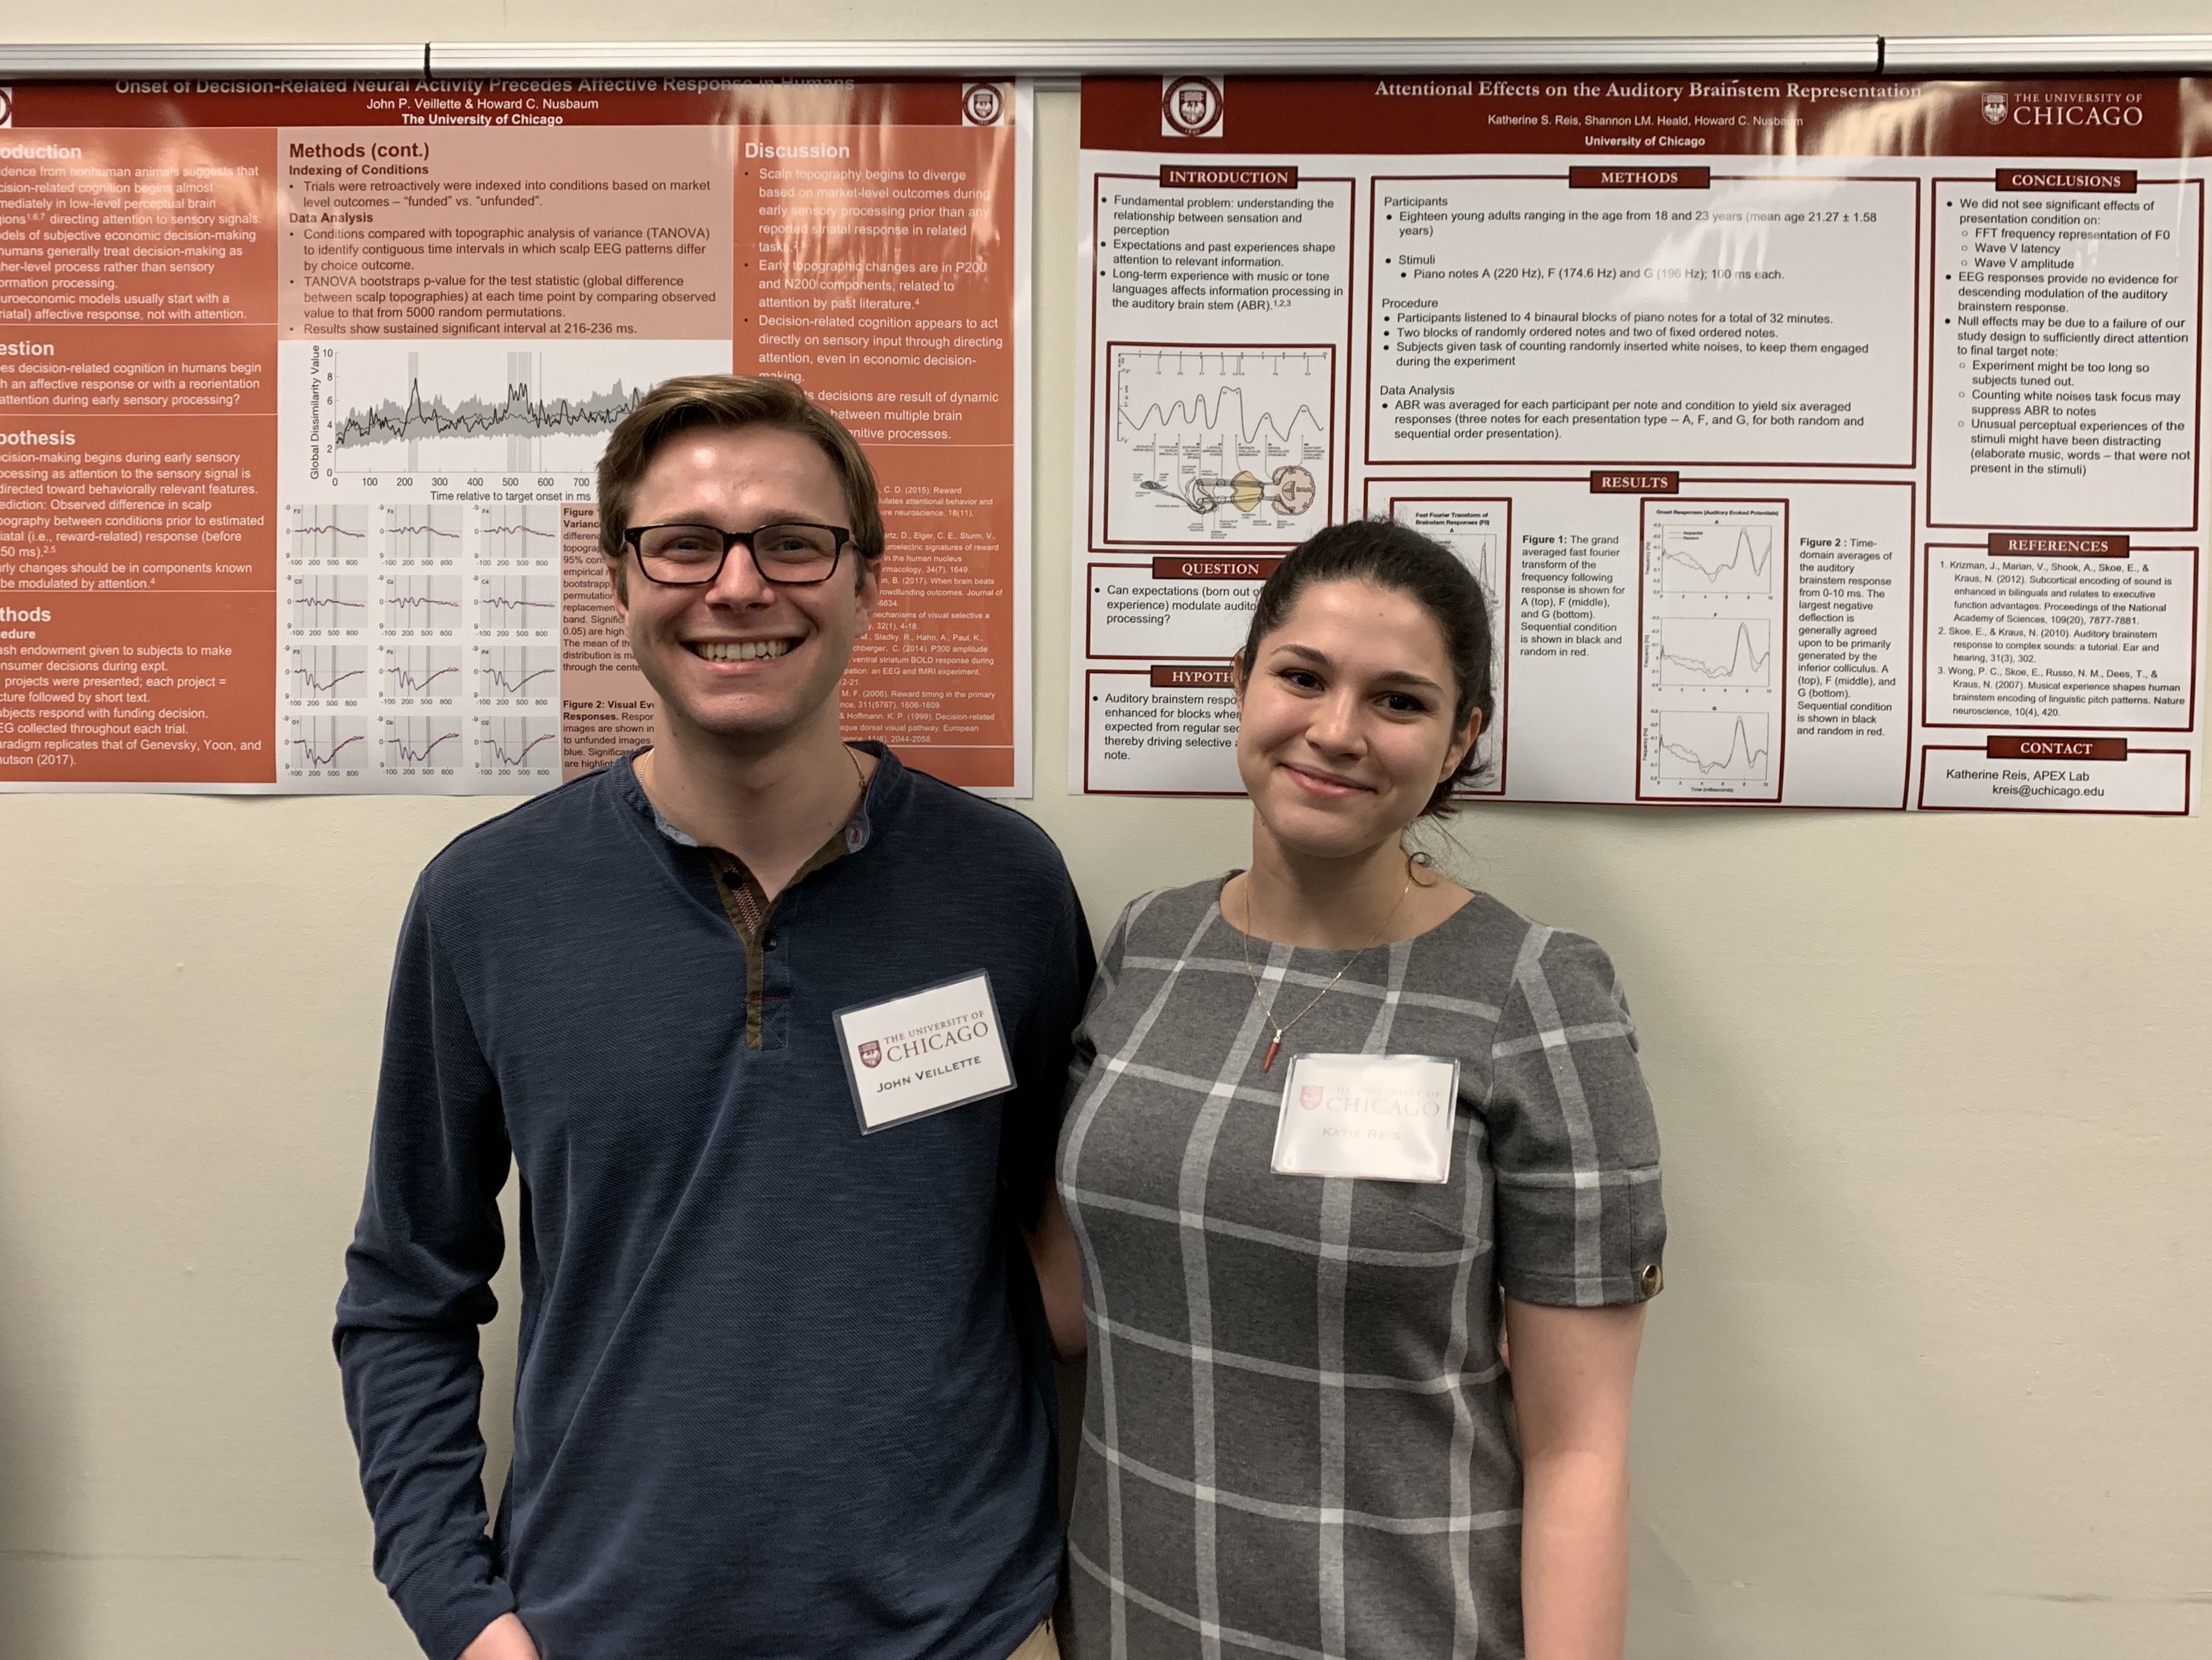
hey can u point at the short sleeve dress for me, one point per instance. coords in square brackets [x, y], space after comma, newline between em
[1298, 1440]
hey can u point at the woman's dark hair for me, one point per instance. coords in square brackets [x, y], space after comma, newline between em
[1391, 555]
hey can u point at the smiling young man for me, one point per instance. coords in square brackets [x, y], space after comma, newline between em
[773, 1032]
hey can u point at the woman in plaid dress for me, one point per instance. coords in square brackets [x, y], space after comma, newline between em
[1301, 1437]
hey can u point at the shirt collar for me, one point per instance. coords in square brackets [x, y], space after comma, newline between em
[857, 829]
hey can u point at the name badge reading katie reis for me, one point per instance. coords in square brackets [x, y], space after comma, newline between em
[1380, 1117]
[929, 1051]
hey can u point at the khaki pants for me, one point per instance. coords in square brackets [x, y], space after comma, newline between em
[1038, 1645]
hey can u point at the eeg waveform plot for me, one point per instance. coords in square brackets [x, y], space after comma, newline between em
[328, 676]
[518, 747]
[328, 533]
[1219, 446]
[381, 408]
[326, 746]
[423, 671]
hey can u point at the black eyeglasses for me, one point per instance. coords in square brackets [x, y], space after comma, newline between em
[691, 555]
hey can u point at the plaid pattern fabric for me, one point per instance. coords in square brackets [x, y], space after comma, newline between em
[1297, 1438]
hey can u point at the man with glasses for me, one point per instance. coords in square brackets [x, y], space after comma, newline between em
[784, 1386]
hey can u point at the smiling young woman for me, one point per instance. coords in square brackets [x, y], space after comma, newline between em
[1340, 1125]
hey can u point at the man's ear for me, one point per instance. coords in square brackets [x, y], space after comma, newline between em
[618, 580]
[867, 593]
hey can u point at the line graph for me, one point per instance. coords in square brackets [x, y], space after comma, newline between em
[422, 604]
[387, 407]
[518, 674]
[426, 673]
[1715, 580]
[510, 746]
[422, 532]
[513, 532]
[520, 415]
[1700, 746]
[520, 604]
[1731, 557]
[1716, 651]
[329, 605]
[420, 744]
[325, 745]
[1219, 444]
[333, 674]
[328, 534]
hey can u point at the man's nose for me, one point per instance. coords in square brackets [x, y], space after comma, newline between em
[739, 583]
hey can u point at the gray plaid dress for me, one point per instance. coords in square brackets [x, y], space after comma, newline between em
[1298, 1440]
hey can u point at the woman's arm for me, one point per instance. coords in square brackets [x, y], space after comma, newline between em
[1572, 1370]
[1059, 1276]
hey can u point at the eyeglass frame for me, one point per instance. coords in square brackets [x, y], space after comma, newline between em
[730, 538]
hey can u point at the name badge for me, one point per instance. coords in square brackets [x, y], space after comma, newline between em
[929, 1051]
[1380, 1117]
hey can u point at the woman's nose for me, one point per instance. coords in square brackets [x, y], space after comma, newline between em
[1335, 723]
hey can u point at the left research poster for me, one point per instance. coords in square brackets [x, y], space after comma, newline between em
[303, 383]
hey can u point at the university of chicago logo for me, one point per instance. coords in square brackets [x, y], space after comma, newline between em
[1309, 1096]
[1191, 107]
[872, 1054]
[7, 106]
[1993, 108]
[982, 104]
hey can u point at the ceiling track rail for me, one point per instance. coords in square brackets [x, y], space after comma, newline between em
[1916, 57]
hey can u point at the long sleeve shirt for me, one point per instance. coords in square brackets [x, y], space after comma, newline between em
[783, 1388]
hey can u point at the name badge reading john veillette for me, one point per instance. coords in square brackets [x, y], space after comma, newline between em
[1382, 1117]
[928, 1051]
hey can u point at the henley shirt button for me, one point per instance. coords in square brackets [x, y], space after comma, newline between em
[1651, 1280]
[769, 943]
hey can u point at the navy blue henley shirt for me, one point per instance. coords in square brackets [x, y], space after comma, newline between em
[783, 1391]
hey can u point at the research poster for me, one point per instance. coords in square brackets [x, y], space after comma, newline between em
[302, 385]
[1824, 443]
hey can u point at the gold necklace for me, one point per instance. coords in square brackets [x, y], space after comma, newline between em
[1267, 1005]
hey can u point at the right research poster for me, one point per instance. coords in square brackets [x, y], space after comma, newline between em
[1823, 443]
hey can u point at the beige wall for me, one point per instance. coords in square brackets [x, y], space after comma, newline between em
[1929, 1381]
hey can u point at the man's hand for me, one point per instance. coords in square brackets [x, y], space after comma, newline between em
[502, 1639]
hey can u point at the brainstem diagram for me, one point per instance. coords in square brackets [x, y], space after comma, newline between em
[1220, 445]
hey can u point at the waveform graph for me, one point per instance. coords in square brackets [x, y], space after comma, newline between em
[1715, 613]
[423, 672]
[1701, 652]
[517, 747]
[518, 604]
[424, 746]
[1711, 752]
[384, 409]
[333, 676]
[327, 747]
[517, 533]
[322, 604]
[327, 533]
[1219, 445]
[518, 675]
[421, 534]
[422, 603]
[1716, 556]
